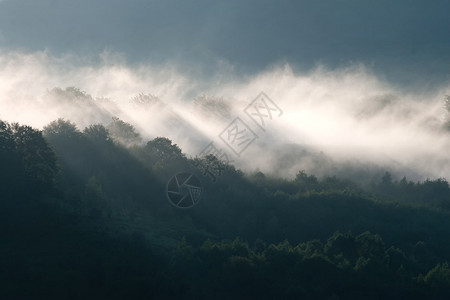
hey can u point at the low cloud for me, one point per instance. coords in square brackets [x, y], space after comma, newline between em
[330, 117]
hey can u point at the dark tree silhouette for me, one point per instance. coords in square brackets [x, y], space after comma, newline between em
[106, 230]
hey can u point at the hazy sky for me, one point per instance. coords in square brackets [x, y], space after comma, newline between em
[406, 42]
[357, 79]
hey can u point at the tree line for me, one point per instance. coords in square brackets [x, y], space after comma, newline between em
[84, 215]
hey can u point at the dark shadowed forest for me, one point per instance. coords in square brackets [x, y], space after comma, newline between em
[84, 215]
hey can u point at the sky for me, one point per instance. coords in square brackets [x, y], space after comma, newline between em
[357, 80]
[406, 42]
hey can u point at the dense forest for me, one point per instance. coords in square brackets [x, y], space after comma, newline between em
[84, 215]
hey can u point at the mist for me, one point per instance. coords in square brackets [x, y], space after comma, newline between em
[332, 120]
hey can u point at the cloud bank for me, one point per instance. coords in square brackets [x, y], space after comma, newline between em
[335, 116]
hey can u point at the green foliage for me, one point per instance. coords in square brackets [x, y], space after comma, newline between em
[102, 227]
[162, 149]
[123, 133]
[61, 129]
[145, 100]
[439, 277]
[306, 182]
[212, 106]
[432, 193]
[27, 158]
[97, 133]
[70, 93]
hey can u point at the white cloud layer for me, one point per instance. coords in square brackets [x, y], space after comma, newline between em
[348, 114]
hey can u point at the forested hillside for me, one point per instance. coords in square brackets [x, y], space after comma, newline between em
[84, 215]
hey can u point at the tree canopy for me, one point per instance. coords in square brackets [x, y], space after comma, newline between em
[82, 214]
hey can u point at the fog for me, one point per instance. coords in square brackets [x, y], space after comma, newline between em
[333, 121]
